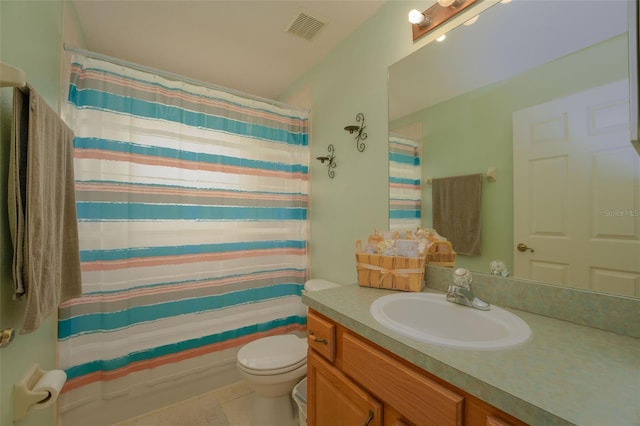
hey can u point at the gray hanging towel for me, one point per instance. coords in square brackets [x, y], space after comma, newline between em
[42, 209]
[457, 203]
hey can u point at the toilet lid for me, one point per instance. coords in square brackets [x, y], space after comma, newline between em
[273, 353]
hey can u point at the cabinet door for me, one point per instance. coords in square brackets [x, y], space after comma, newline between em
[420, 399]
[336, 400]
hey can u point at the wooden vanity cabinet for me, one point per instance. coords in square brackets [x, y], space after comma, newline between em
[352, 381]
[336, 400]
[416, 396]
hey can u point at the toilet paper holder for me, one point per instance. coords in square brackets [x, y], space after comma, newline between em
[27, 395]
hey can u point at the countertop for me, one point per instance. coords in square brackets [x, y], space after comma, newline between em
[564, 374]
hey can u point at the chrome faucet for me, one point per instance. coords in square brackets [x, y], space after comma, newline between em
[460, 292]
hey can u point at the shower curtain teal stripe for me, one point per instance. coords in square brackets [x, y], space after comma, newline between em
[106, 321]
[404, 181]
[106, 101]
[192, 215]
[138, 211]
[137, 252]
[117, 363]
[169, 291]
[140, 87]
[183, 155]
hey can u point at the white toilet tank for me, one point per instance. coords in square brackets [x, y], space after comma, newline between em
[317, 284]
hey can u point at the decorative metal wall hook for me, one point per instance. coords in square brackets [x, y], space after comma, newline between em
[359, 130]
[331, 164]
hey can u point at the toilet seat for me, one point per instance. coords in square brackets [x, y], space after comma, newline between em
[273, 355]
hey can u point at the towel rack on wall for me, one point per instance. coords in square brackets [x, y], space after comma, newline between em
[490, 175]
[11, 76]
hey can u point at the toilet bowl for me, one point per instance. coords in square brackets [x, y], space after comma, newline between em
[272, 366]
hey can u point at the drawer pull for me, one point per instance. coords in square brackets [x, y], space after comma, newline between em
[369, 419]
[317, 339]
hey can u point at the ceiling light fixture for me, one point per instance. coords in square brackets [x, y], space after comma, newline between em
[442, 37]
[418, 18]
[436, 15]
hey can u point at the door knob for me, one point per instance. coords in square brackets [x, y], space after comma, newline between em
[523, 247]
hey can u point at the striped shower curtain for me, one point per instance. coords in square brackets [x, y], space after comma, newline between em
[192, 210]
[405, 190]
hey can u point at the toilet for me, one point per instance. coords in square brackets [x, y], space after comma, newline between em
[272, 366]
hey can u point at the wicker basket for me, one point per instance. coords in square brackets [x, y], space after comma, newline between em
[440, 253]
[390, 272]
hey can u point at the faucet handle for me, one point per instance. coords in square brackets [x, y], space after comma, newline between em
[462, 277]
[454, 289]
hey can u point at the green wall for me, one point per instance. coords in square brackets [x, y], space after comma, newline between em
[353, 79]
[30, 38]
[469, 133]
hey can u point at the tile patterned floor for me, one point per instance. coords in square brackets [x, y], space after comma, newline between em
[228, 406]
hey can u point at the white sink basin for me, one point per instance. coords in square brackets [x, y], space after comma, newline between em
[429, 318]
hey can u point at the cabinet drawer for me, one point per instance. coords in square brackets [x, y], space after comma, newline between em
[421, 400]
[321, 336]
[494, 421]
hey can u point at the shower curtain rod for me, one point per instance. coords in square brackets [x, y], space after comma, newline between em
[178, 77]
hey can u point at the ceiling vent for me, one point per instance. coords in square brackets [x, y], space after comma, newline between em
[305, 26]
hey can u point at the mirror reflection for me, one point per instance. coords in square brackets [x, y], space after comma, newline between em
[537, 95]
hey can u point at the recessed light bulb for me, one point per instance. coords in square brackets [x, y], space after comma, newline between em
[442, 37]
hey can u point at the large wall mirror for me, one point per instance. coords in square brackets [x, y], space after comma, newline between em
[540, 92]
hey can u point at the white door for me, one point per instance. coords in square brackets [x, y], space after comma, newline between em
[577, 192]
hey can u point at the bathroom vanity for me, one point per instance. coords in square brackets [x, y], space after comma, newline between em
[363, 373]
[345, 371]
